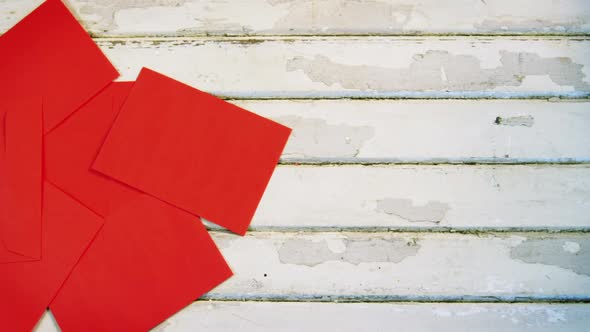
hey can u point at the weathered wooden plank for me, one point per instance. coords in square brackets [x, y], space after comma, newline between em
[365, 67]
[198, 17]
[384, 266]
[445, 317]
[427, 197]
[370, 131]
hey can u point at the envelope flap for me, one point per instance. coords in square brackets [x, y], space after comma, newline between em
[48, 53]
[21, 179]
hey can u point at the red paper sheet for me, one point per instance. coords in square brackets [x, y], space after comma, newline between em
[71, 148]
[192, 150]
[49, 54]
[21, 130]
[149, 261]
[28, 288]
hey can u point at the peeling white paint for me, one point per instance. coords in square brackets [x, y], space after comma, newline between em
[404, 264]
[363, 67]
[189, 17]
[477, 196]
[430, 130]
[571, 247]
[337, 246]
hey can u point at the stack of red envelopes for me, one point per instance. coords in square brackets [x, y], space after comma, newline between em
[102, 183]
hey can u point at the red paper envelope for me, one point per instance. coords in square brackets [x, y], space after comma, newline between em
[49, 54]
[28, 288]
[71, 148]
[149, 261]
[192, 150]
[21, 132]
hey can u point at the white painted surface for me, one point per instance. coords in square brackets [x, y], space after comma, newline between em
[348, 317]
[354, 131]
[410, 196]
[198, 17]
[364, 67]
[386, 266]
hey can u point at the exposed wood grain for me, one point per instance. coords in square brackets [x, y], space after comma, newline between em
[198, 17]
[364, 67]
[427, 197]
[445, 317]
[370, 131]
[384, 266]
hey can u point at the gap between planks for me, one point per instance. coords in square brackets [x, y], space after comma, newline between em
[343, 35]
[323, 298]
[318, 162]
[300, 37]
[480, 231]
[245, 39]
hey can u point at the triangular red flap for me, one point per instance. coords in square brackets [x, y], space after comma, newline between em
[21, 132]
[28, 288]
[48, 53]
[149, 261]
[192, 150]
[71, 148]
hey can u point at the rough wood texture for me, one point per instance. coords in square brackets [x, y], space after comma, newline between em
[416, 197]
[357, 131]
[450, 67]
[385, 266]
[348, 317]
[198, 17]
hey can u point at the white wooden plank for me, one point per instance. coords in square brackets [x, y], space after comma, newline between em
[384, 266]
[223, 316]
[365, 67]
[427, 197]
[444, 317]
[369, 131]
[197, 17]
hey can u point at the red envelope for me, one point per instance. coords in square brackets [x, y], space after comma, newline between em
[192, 150]
[149, 261]
[49, 54]
[21, 132]
[28, 288]
[71, 148]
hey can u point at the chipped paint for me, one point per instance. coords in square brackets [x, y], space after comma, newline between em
[433, 211]
[373, 250]
[435, 131]
[539, 25]
[344, 16]
[318, 138]
[188, 17]
[223, 242]
[515, 121]
[401, 67]
[567, 253]
[394, 266]
[571, 247]
[461, 72]
[102, 14]
[335, 196]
